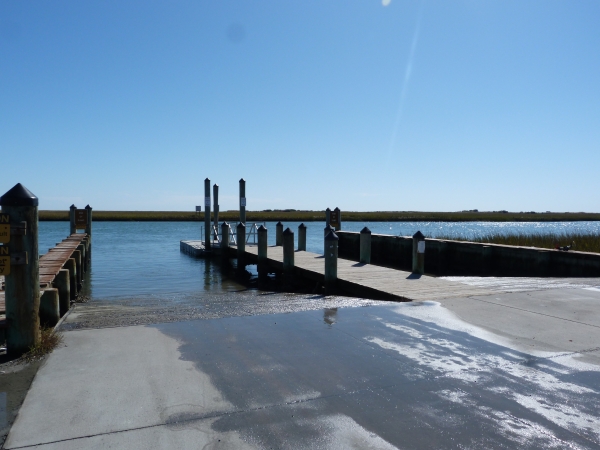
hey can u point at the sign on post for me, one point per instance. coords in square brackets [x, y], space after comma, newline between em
[4, 229]
[198, 208]
[4, 261]
[421, 247]
[243, 201]
[80, 219]
[334, 219]
[206, 201]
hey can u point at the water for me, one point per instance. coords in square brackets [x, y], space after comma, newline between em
[133, 259]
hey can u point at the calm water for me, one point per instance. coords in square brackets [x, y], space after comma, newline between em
[143, 258]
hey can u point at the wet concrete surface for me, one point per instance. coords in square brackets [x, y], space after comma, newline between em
[414, 375]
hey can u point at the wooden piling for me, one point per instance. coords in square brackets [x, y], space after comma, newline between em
[241, 244]
[49, 307]
[22, 285]
[71, 266]
[207, 229]
[73, 227]
[216, 206]
[242, 200]
[288, 251]
[302, 237]
[88, 231]
[279, 234]
[62, 284]
[418, 253]
[79, 273]
[331, 257]
[262, 252]
[365, 246]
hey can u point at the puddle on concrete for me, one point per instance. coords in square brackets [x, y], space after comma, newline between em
[398, 375]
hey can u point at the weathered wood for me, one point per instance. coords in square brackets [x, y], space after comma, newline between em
[288, 251]
[365, 246]
[207, 229]
[49, 307]
[62, 284]
[242, 201]
[302, 237]
[331, 262]
[279, 234]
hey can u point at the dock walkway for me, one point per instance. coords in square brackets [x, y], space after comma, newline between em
[364, 280]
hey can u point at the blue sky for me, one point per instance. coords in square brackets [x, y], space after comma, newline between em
[414, 105]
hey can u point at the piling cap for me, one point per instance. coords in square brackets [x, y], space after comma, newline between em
[328, 209]
[337, 209]
[279, 224]
[224, 224]
[302, 225]
[287, 232]
[19, 195]
[242, 180]
[88, 207]
[241, 225]
[365, 230]
[331, 236]
[262, 229]
[418, 235]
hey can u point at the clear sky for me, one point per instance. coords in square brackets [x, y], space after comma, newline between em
[361, 104]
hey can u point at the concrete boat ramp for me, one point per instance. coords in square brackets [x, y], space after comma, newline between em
[490, 369]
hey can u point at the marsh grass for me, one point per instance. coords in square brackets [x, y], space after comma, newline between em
[50, 339]
[584, 242]
[292, 215]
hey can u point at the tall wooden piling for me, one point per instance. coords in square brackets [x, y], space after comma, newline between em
[331, 257]
[242, 201]
[327, 216]
[279, 234]
[365, 246]
[262, 252]
[288, 251]
[216, 206]
[302, 237]
[241, 245]
[418, 253]
[22, 285]
[328, 229]
[88, 231]
[207, 229]
[72, 226]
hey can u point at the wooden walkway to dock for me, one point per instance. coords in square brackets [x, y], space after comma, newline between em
[361, 280]
[52, 262]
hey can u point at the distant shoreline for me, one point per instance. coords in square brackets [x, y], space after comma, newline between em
[316, 216]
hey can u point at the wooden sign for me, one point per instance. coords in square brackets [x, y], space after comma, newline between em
[4, 229]
[80, 218]
[334, 219]
[4, 261]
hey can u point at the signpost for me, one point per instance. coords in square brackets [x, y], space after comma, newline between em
[80, 219]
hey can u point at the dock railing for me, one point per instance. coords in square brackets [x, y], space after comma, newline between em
[251, 234]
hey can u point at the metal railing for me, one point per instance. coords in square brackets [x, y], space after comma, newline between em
[251, 234]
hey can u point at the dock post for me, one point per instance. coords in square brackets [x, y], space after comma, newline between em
[279, 234]
[216, 206]
[207, 230]
[288, 251]
[61, 282]
[88, 231]
[262, 252]
[338, 214]
[418, 253]
[73, 227]
[327, 216]
[365, 246]
[242, 201]
[49, 307]
[241, 245]
[22, 285]
[331, 257]
[326, 231]
[77, 257]
[224, 241]
[71, 266]
[301, 237]
[81, 248]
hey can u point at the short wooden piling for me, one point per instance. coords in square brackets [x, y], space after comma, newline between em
[61, 282]
[71, 266]
[216, 206]
[365, 246]
[224, 239]
[418, 253]
[262, 252]
[77, 257]
[279, 234]
[302, 237]
[331, 257]
[288, 251]
[241, 245]
[49, 307]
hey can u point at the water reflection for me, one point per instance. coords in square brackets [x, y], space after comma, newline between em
[330, 316]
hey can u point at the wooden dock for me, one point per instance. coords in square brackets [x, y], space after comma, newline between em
[52, 262]
[357, 279]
